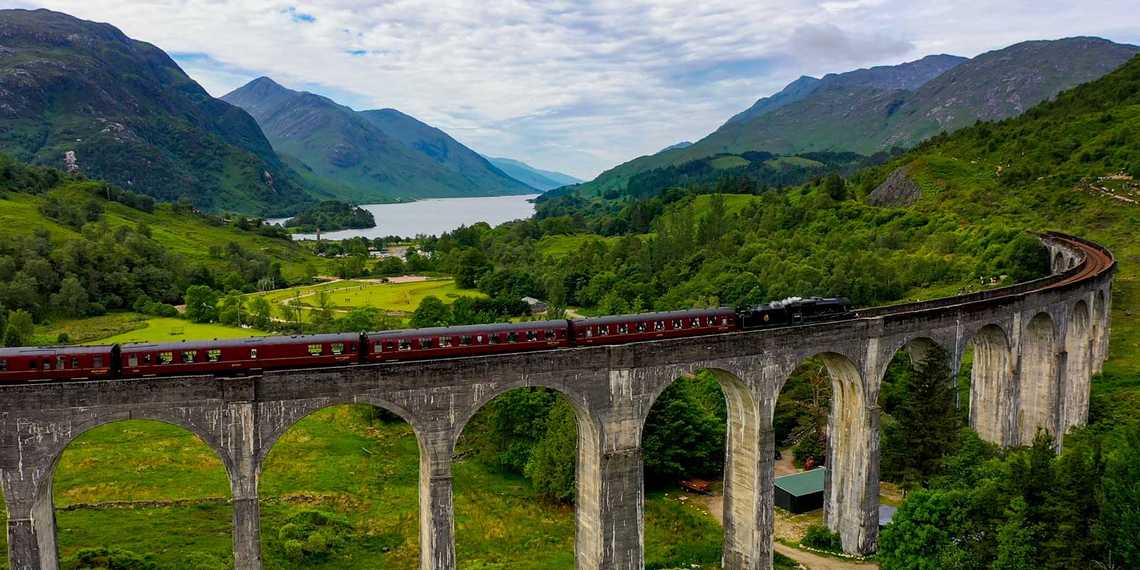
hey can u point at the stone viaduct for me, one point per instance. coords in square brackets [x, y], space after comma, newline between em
[1035, 347]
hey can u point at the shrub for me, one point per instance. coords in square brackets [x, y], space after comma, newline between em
[820, 537]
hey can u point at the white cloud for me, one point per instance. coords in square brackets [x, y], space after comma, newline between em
[571, 85]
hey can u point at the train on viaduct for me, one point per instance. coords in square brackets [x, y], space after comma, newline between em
[1035, 344]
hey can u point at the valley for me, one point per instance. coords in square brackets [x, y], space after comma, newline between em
[144, 193]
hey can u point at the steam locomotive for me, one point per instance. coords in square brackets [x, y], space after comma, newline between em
[219, 357]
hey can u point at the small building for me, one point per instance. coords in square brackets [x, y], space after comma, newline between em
[536, 307]
[801, 492]
[886, 513]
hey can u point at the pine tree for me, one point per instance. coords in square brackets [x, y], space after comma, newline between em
[926, 428]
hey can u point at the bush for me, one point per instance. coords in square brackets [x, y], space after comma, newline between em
[312, 535]
[820, 537]
[107, 559]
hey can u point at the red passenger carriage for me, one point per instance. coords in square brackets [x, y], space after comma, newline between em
[468, 340]
[55, 363]
[651, 326]
[203, 357]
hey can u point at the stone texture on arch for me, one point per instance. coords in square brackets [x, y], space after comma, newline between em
[1039, 380]
[1079, 356]
[1099, 323]
[992, 385]
[853, 440]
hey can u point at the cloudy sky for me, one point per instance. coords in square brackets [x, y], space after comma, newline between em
[576, 86]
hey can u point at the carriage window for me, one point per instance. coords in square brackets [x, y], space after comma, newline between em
[623, 329]
[75, 362]
[390, 346]
[724, 320]
[33, 364]
[512, 337]
[253, 353]
[351, 347]
[676, 323]
[60, 362]
[133, 360]
[165, 357]
[696, 322]
[189, 355]
[589, 332]
[464, 341]
[426, 343]
[444, 341]
[47, 364]
[550, 335]
[214, 355]
[530, 336]
[494, 339]
[316, 349]
[641, 327]
[603, 330]
[146, 358]
[3, 365]
[659, 325]
[337, 348]
[405, 344]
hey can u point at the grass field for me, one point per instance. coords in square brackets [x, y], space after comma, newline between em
[163, 329]
[365, 473]
[400, 298]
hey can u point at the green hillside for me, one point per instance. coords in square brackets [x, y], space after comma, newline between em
[82, 95]
[870, 111]
[369, 156]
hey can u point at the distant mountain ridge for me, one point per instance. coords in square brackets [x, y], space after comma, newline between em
[368, 155]
[534, 177]
[83, 96]
[872, 110]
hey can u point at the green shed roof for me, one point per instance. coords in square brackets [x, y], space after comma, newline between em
[805, 483]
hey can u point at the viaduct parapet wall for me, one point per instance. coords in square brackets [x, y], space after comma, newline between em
[1035, 347]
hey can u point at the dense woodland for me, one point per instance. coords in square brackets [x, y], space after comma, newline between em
[331, 215]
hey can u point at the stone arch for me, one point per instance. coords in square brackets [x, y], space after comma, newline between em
[306, 409]
[287, 419]
[1079, 349]
[851, 501]
[1038, 387]
[744, 456]
[43, 507]
[1058, 262]
[588, 503]
[991, 383]
[1099, 321]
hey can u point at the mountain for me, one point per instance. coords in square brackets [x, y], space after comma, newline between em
[872, 110]
[83, 96]
[370, 155]
[682, 144]
[534, 177]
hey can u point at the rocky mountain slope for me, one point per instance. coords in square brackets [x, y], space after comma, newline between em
[872, 110]
[83, 96]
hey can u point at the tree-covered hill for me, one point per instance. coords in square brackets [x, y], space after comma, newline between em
[71, 247]
[83, 96]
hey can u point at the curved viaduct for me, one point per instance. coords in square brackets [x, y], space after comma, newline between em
[1036, 345]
